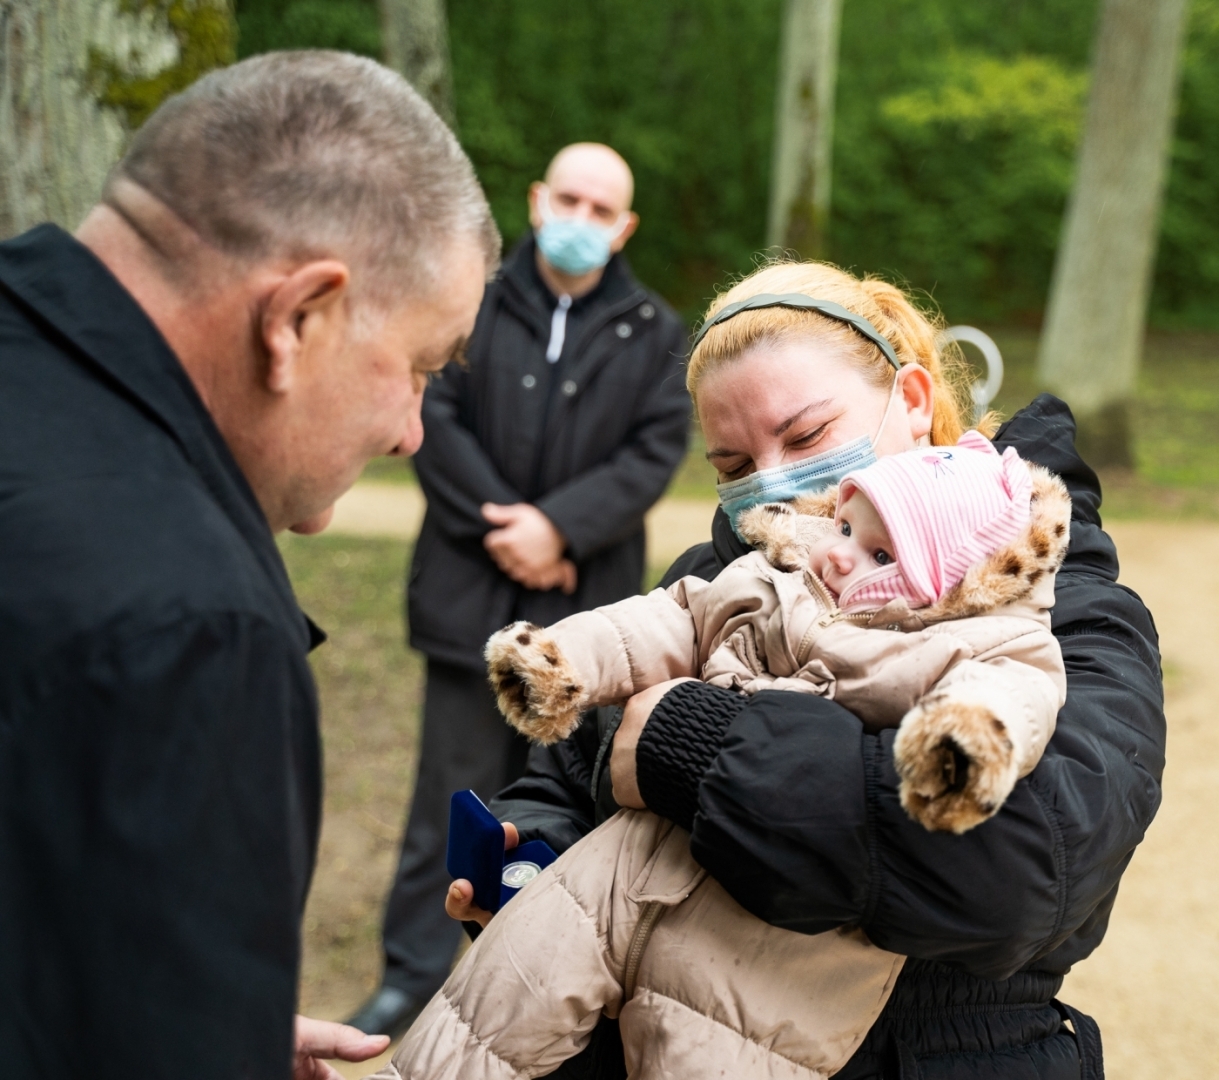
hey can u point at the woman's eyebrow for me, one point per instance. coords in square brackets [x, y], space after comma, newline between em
[719, 452]
[811, 406]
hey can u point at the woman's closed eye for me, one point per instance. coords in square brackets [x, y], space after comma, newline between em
[809, 438]
[736, 472]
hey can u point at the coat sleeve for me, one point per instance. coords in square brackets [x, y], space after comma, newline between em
[554, 801]
[179, 769]
[606, 504]
[455, 472]
[795, 810]
[545, 678]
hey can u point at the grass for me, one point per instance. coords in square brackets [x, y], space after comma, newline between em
[370, 688]
[390, 470]
[1175, 420]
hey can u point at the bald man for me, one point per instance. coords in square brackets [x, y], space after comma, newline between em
[543, 454]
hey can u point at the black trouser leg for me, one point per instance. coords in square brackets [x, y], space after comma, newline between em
[466, 744]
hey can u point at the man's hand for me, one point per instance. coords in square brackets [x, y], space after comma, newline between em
[459, 902]
[623, 778]
[318, 1039]
[528, 548]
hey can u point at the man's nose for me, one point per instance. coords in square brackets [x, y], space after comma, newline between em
[412, 435]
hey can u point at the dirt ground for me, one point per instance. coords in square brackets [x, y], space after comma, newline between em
[1153, 984]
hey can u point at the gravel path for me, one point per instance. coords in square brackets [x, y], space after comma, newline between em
[1154, 983]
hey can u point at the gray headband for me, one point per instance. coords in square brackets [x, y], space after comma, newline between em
[806, 303]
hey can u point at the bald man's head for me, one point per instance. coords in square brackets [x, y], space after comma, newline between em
[586, 182]
[594, 169]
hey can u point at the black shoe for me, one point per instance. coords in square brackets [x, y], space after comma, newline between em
[389, 1011]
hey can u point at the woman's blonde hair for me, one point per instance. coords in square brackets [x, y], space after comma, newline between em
[911, 332]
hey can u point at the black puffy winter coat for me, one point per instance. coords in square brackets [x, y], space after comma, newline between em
[794, 809]
[591, 441]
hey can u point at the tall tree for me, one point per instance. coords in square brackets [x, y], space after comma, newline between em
[415, 34]
[804, 127]
[76, 76]
[1095, 321]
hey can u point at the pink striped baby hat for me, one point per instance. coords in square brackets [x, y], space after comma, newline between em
[946, 508]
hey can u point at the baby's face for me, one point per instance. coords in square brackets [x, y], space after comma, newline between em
[859, 544]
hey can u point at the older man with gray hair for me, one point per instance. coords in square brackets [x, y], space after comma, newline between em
[287, 251]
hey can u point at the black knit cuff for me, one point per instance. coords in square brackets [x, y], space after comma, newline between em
[678, 744]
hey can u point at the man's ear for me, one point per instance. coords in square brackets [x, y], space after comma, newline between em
[535, 203]
[628, 230]
[296, 309]
[918, 395]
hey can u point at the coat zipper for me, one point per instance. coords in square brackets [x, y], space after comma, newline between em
[819, 589]
[619, 309]
[652, 912]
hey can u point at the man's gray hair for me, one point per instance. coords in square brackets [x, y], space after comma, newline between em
[314, 154]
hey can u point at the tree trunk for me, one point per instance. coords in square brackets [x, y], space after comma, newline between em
[56, 142]
[804, 127]
[416, 40]
[1095, 319]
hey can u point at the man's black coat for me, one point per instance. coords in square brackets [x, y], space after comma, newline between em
[159, 754]
[794, 809]
[591, 441]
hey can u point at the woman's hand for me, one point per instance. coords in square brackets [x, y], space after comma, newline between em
[318, 1039]
[459, 901]
[622, 758]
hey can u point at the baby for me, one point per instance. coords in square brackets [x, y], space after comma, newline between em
[917, 595]
[919, 545]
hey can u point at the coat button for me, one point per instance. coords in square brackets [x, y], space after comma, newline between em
[569, 388]
[647, 311]
[623, 330]
[529, 382]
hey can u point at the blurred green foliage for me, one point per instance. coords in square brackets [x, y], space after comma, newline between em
[351, 25]
[955, 133]
[1187, 272]
[205, 35]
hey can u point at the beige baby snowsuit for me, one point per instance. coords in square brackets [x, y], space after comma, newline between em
[626, 923]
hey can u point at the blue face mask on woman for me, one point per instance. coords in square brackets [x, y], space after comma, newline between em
[573, 245]
[809, 475]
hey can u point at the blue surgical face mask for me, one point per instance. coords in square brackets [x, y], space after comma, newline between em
[573, 245]
[809, 475]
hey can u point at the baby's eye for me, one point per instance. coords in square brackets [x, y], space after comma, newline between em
[882, 558]
[845, 528]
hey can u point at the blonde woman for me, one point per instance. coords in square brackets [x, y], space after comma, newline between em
[791, 806]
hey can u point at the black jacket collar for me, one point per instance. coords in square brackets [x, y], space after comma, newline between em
[67, 289]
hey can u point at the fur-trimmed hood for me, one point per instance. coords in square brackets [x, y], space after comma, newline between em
[1008, 576]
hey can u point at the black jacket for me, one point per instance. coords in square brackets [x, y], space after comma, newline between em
[159, 754]
[591, 441]
[794, 810]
